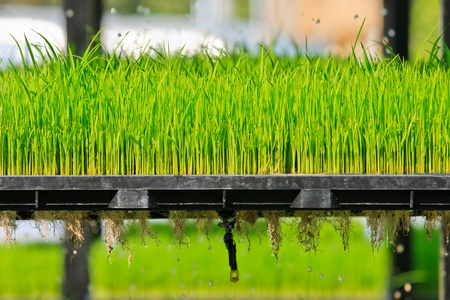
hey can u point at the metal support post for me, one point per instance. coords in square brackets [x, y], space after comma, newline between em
[401, 264]
[82, 22]
[446, 21]
[76, 281]
[396, 26]
[444, 276]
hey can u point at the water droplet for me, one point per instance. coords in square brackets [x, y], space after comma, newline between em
[318, 22]
[384, 11]
[309, 269]
[321, 276]
[70, 13]
[211, 283]
[75, 252]
[446, 254]
[119, 34]
[391, 32]
[113, 11]
[340, 278]
[209, 247]
[356, 17]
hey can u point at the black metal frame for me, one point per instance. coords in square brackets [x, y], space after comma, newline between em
[226, 192]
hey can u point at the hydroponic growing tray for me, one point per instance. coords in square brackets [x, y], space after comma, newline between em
[226, 192]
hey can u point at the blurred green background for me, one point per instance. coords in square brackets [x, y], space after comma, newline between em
[162, 270]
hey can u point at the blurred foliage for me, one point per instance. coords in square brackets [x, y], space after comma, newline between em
[242, 9]
[180, 7]
[32, 271]
[177, 7]
[425, 15]
[32, 2]
[200, 269]
[425, 257]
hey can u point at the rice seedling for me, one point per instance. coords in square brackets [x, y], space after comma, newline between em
[205, 221]
[143, 217]
[342, 224]
[446, 226]
[8, 223]
[73, 225]
[308, 228]
[177, 220]
[114, 226]
[432, 221]
[235, 115]
[246, 224]
[384, 226]
[45, 222]
[273, 221]
[399, 222]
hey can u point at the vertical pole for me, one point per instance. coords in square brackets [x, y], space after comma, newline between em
[446, 21]
[444, 267]
[82, 22]
[396, 26]
[76, 281]
[402, 263]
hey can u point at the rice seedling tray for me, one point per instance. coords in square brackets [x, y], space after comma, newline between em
[416, 192]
